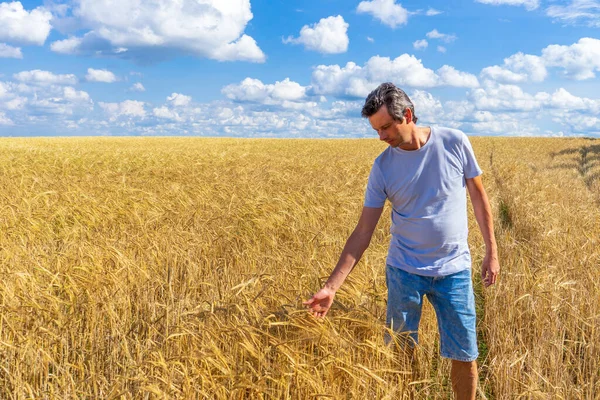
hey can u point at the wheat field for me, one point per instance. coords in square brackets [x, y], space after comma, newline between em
[151, 268]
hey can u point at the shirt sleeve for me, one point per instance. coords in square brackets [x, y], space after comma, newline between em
[470, 167]
[375, 195]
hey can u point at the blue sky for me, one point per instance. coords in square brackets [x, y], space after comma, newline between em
[289, 68]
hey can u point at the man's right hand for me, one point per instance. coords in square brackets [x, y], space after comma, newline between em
[321, 301]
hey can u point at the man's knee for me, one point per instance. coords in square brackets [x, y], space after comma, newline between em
[464, 369]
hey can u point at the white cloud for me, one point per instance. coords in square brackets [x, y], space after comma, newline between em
[517, 68]
[17, 103]
[420, 44]
[127, 108]
[441, 49]
[49, 103]
[155, 30]
[528, 4]
[579, 123]
[499, 97]
[179, 100]
[579, 60]
[254, 90]
[76, 96]
[562, 99]
[370, 39]
[584, 11]
[427, 108]
[457, 111]
[40, 77]
[66, 46]
[405, 70]
[100, 75]
[3, 90]
[137, 87]
[387, 11]
[4, 120]
[432, 12]
[7, 51]
[166, 113]
[503, 75]
[18, 25]
[434, 34]
[328, 36]
[502, 124]
[452, 77]
[243, 49]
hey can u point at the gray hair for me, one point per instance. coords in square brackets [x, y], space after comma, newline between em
[394, 99]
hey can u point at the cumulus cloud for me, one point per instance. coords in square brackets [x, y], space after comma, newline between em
[48, 102]
[578, 61]
[3, 90]
[254, 90]
[517, 68]
[40, 77]
[563, 100]
[502, 124]
[100, 75]
[166, 113]
[405, 71]
[67, 46]
[452, 77]
[4, 120]
[150, 30]
[420, 44]
[528, 4]
[16, 103]
[434, 34]
[179, 100]
[507, 109]
[77, 96]
[427, 108]
[20, 26]
[386, 11]
[500, 97]
[577, 11]
[579, 123]
[328, 36]
[137, 87]
[7, 51]
[127, 108]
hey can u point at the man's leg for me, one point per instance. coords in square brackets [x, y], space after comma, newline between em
[464, 379]
[404, 304]
[454, 303]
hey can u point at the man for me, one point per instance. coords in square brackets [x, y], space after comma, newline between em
[425, 173]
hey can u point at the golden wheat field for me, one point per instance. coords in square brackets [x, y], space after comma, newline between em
[143, 268]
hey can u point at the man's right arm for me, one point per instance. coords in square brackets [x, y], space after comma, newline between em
[355, 246]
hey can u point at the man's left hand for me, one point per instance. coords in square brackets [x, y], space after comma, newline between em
[490, 268]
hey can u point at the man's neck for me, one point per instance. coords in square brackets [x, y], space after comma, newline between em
[419, 136]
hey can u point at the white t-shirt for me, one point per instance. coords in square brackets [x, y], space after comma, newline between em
[427, 189]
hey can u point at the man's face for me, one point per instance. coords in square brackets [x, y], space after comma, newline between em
[391, 131]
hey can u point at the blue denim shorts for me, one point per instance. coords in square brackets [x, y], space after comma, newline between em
[452, 299]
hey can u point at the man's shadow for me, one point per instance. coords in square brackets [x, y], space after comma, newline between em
[584, 159]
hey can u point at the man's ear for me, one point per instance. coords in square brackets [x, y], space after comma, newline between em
[408, 115]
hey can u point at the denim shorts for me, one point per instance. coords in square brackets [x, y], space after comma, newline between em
[452, 299]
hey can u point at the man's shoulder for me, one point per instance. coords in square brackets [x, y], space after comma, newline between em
[449, 133]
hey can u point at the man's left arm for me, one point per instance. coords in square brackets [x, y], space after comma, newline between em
[483, 213]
